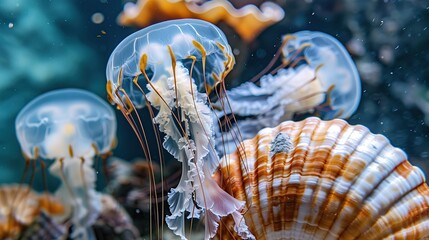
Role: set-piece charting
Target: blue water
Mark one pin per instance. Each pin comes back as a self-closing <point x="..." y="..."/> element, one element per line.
<point x="49" y="45"/>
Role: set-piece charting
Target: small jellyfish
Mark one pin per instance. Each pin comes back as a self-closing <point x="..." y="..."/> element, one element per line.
<point x="72" y="127"/>
<point x="172" y="67"/>
<point x="317" y="76"/>
<point x="336" y="69"/>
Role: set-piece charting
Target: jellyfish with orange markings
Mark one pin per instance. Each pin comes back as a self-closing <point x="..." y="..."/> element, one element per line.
<point x="316" y="76"/>
<point x="171" y="68"/>
<point x="72" y="127"/>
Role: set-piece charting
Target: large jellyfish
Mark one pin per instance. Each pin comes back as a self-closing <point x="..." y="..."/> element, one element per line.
<point x="317" y="75"/>
<point x="172" y="66"/>
<point x="70" y="126"/>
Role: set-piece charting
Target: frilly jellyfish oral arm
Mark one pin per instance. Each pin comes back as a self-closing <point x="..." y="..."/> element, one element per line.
<point x="78" y="191"/>
<point x="172" y="66"/>
<point x="194" y="151"/>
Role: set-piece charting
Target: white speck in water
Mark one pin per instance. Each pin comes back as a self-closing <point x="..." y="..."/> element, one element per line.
<point x="381" y="23"/>
<point x="97" y="18"/>
<point x="10" y="25"/>
<point x="236" y="51"/>
<point x="381" y="123"/>
<point x="137" y="210"/>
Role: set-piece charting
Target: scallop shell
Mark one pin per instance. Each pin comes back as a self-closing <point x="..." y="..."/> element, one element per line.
<point x="20" y="206"/>
<point x="319" y="179"/>
<point x="45" y="227"/>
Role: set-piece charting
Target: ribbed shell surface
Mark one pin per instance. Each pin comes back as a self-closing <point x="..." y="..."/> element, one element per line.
<point x="319" y="179"/>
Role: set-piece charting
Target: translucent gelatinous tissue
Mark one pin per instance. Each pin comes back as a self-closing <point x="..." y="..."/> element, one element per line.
<point x="70" y="117"/>
<point x="70" y="126"/>
<point x="336" y="69"/>
<point x="319" y="78"/>
<point x="172" y="66"/>
<point x="162" y="45"/>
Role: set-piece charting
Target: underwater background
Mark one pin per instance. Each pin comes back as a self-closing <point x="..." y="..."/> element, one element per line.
<point x="49" y="45"/>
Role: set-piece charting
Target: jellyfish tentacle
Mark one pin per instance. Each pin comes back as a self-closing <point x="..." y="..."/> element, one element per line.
<point x="144" y="144"/>
<point x="180" y="71"/>
<point x="72" y="126"/>
<point x="273" y="61"/>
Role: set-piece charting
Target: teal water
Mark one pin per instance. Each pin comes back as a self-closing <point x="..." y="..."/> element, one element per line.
<point x="49" y="45"/>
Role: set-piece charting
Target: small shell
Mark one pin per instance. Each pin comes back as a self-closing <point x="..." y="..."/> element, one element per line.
<point x="326" y="180"/>
<point x="20" y="206"/>
<point x="45" y="227"/>
<point x="113" y="222"/>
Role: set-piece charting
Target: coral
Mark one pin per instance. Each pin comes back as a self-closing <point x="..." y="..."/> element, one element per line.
<point x="247" y="21"/>
<point x="21" y="207"/>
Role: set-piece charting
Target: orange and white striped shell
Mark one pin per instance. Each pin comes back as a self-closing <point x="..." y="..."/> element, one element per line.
<point x="20" y="206"/>
<point x="319" y="179"/>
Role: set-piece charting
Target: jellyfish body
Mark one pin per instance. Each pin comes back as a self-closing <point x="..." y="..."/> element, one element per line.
<point x="336" y="69"/>
<point x="172" y="66"/>
<point x="319" y="77"/>
<point x="70" y="126"/>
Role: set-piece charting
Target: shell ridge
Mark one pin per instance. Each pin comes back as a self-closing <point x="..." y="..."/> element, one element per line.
<point x="255" y="184"/>
<point x="298" y="156"/>
<point x="309" y="174"/>
<point x="308" y="226"/>
<point x="381" y="176"/>
<point x="344" y="212"/>
<point x="285" y="128"/>
<point x="250" y="181"/>
<point x="381" y="200"/>
<point x="343" y="160"/>
<point x="356" y="161"/>
<point x="402" y="215"/>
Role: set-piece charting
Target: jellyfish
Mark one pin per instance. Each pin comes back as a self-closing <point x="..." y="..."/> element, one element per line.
<point x="70" y="126"/>
<point x="317" y="76"/>
<point x="247" y="21"/>
<point x="172" y="67"/>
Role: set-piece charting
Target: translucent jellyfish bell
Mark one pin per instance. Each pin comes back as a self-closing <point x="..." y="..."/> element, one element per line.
<point x="65" y="122"/>
<point x="70" y="126"/>
<point x="336" y="69"/>
<point x="151" y="54"/>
